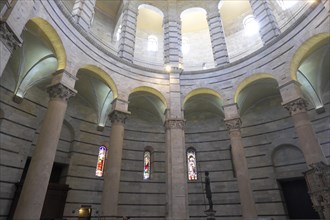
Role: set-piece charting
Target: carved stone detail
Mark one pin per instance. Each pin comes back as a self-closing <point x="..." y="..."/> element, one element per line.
<point x="118" y="117"/>
<point x="296" y="106"/>
<point x="8" y="37"/>
<point x="174" y="124"/>
<point x="318" y="181"/>
<point x="59" y="91"/>
<point x="233" y="124"/>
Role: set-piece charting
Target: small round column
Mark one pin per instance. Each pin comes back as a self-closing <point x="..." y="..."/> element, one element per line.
<point x="35" y="186"/>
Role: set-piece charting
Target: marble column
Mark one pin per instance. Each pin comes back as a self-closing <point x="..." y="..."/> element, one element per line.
<point x="248" y="206"/>
<point x="35" y="186"/>
<point x="233" y="123"/>
<point x="83" y="13"/>
<point x="14" y="16"/>
<point x="263" y="14"/>
<point x="111" y="182"/>
<point x="306" y="135"/>
<point x="128" y="31"/>
<point x="176" y="166"/>
<point x="172" y="41"/>
<point x="219" y="46"/>
<point x="296" y="105"/>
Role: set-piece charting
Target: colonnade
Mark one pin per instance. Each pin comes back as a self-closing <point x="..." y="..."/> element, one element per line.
<point x="172" y="28"/>
<point x="35" y="186"/>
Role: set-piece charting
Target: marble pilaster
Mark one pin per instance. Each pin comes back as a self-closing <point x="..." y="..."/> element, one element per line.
<point x="268" y="25"/>
<point x="128" y="31"/>
<point x="219" y="47"/>
<point x="83" y="13"/>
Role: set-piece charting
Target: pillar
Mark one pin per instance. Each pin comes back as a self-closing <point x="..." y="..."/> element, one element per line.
<point x="177" y="193"/>
<point x="297" y="106"/>
<point x="14" y="16"/>
<point x="83" y="13"/>
<point x="219" y="47"/>
<point x="172" y="41"/>
<point x="111" y="182"/>
<point x="35" y="186"/>
<point x="233" y="124"/>
<point x="263" y="14"/>
<point x="128" y="30"/>
<point x="306" y="135"/>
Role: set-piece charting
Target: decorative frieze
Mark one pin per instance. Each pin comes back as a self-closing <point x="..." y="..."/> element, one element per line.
<point x="174" y="124"/>
<point x="233" y="124"/>
<point x="59" y="91"/>
<point x="296" y="106"/>
<point x="118" y="116"/>
<point x="8" y="37"/>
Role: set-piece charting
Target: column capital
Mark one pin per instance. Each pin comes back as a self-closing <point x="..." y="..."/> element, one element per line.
<point x="60" y="91"/>
<point x="118" y="116"/>
<point x="9" y="38"/>
<point x="296" y="106"/>
<point x="174" y="123"/>
<point x="233" y="124"/>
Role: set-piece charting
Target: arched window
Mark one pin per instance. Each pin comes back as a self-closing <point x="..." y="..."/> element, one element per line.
<point x="251" y="26"/>
<point x="286" y="4"/>
<point x="152" y="43"/>
<point x="192" y="168"/>
<point x="147" y="164"/>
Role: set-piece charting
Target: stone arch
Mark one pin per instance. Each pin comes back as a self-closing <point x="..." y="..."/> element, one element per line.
<point x="152" y="91"/>
<point x="288" y="161"/>
<point x="243" y="84"/>
<point x="103" y="75"/>
<point x="51" y="36"/>
<point x="198" y="91"/>
<point x="305" y="49"/>
<point x="151" y="7"/>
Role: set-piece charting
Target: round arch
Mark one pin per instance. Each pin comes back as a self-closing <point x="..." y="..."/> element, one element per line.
<point x="306" y="49"/>
<point x="250" y="80"/>
<point x="200" y="91"/>
<point x="50" y="35"/>
<point x="152" y="91"/>
<point x="101" y="73"/>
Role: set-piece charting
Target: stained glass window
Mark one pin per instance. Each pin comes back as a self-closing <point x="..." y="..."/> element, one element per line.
<point x="192" y="169"/>
<point x="146" y="161"/>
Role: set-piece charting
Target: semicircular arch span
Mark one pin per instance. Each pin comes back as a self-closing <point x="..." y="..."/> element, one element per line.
<point x="50" y="35"/>
<point x="305" y="50"/>
<point x="104" y="76"/>
<point x="247" y="81"/>
<point x="201" y="91"/>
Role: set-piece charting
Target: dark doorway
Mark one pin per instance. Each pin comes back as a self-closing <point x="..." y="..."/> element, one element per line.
<point x="297" y="200"/>
<point x="56" y="193"/>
